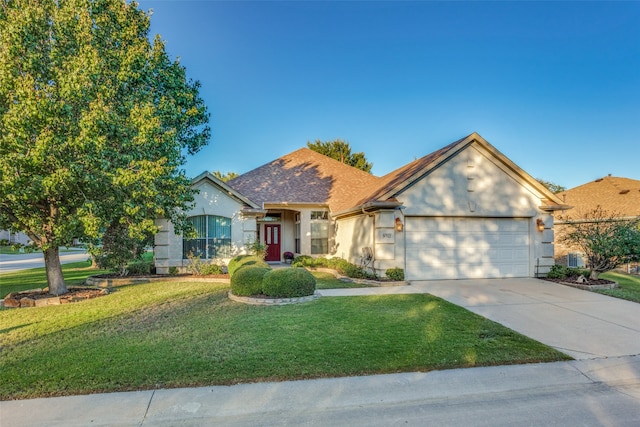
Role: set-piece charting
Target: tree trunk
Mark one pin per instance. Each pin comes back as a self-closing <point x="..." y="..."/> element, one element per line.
<point x="55" y="280"/>
<point x="593" y="275"/>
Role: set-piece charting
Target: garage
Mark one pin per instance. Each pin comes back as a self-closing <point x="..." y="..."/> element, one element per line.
<point x="466" y="248"/>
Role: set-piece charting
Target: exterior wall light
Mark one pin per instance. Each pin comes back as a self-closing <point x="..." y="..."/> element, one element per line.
<point x="399" y="224"/>
<point x="540" y="224"/>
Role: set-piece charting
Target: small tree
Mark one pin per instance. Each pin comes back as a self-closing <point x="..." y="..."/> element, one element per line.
<point x="606" y="240"/>
<point x="341" y="151"/>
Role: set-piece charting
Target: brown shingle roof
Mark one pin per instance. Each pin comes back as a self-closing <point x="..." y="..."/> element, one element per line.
<point x="304" y="176"/>
<point x="616" y="195"/>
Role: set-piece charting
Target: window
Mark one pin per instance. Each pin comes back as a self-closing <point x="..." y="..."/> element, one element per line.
<point x="319" y="232"/>
<point x="213" y="237"/>
<point x="297" y="234"/>
<point x="575" y="260"/>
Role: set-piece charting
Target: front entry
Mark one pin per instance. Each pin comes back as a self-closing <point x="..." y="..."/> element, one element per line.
<point x="272" y="240"/>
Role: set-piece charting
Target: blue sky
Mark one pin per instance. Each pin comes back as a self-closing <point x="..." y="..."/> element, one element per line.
<point x="555" y="86"/>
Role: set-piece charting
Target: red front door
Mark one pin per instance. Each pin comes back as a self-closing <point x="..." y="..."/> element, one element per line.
<point x="272" y="240"/>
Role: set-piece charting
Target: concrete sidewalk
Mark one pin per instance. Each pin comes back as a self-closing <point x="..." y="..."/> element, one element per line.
<point x="437" y="397"/>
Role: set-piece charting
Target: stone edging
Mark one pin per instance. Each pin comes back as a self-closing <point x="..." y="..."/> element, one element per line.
<point x="360" y="281"/>
<point x="273" y="301"/>
<point x="590" y="287"/>
<point x="117" y="281"/>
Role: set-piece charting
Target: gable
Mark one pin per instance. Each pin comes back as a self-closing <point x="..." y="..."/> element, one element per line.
<point x="473" y="182"/>
<point x="213" y="200"/>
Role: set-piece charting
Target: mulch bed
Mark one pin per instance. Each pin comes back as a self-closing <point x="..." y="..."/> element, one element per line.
<point x="588" y="284"/>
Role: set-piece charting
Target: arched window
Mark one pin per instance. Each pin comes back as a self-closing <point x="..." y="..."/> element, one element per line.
<point x="213" y="237"/>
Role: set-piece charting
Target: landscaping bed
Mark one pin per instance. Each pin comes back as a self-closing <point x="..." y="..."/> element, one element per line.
<point x="42" y="297"/>
<point x="588" y="284"/>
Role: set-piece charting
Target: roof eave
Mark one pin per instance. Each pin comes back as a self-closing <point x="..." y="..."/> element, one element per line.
<point x="367" y="208"/>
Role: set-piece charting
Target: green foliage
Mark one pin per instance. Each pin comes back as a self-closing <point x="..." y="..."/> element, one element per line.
<point x="224" y="177"/>
<point x="95" y="123"/>
<point x="139" y="268"/>
<point x="244" y="261"/>
<point x="606" y="240"/>
<point x="302" y="261"/>
<point x="4" y="242"/>
<point x="288" y="283"/>
<point x="558" y="271"/>
<point x="341" y="151"/>
<point x="341" y="265"/>
<point x="256" y="248"/>
<point x="552" y="186"/>
<point x="118" y="249"/>
<point x="173" y="271"/>
<point x="199" y="267"/>
<point x="396" y="274"/>
<point x="247" y="280"/>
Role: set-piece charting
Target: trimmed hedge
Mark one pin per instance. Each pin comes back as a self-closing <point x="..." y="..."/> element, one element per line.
<point x="244" y="261"/>
<point x="288" y="283"/>
<point x="247" y="281"/>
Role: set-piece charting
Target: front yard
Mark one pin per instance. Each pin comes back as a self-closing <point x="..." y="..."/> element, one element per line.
<point x="629" y="286"/>
<point x="177" y="334"/>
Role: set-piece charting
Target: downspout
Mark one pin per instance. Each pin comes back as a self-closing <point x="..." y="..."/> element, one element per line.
<point x="373" y="239"/>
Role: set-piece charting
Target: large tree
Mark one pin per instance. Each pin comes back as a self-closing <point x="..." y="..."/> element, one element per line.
<point x="95" y="123"/>
<point x="552" y="186"/>
<point x="341" y="151"/>
<point x="606" y="239"/>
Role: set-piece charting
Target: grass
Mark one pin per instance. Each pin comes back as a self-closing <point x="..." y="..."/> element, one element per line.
<point x="329" y="281"/>
<point x="629" y="286"/>
<point x="74" y="274"/>
<point x="180" y="334"/>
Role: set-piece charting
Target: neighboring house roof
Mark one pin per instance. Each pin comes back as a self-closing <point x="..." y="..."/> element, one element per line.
<point x="620" y="196"/>
<point x="304" y="177"/>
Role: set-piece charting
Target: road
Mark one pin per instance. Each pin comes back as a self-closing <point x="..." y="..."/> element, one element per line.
<point x="17" y="262"/>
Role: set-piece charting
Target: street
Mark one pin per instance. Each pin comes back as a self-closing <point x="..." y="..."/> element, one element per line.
<point x="11" y="263"/>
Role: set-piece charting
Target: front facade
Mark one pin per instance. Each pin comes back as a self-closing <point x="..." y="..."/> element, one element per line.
<point x="465" y="211"/>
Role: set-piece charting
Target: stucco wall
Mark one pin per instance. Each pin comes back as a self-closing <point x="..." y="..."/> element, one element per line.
<point x="209" y="201"/>
<point x="475" y="184"/>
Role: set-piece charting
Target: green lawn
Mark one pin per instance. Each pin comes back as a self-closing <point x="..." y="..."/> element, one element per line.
<point x="329" y="281"/>
<point x="177" y="334"/>
<point x="74" y="273"/>
<point x="629" y="286"/>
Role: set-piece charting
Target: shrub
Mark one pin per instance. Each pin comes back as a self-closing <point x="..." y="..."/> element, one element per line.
<point x="139" y="267"/>
<point x="557" y="272"/>
<point x="210" y="268"/>
<point x="288" y="283"/>
<point x="247" y="281"/>
<point x="173" y="271"/>
<point x="4" y="242"/>
<point x="302" y="261"/>
<point x="396" y="274"/>
<point x="244" y="261"/>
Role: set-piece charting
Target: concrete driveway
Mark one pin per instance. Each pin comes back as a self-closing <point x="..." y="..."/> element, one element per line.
<point x="582" y="324"/>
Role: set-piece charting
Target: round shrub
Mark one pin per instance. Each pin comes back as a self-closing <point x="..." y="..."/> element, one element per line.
<point x="396" y="274"/>
<point x="288" y="283"/>
<point x="244" y="261"/>
<point x="247" y="281"/>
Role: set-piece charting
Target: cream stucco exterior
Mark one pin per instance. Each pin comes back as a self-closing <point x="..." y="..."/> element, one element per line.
<point x="211" y="199"/>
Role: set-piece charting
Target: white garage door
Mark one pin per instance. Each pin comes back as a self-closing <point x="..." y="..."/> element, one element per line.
<point x="466" y="248"/>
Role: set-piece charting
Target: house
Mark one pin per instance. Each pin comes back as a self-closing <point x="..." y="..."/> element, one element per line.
<point x="617" y="196"/>
<point x="14" y="237"/>
<point x="464" y="211"/>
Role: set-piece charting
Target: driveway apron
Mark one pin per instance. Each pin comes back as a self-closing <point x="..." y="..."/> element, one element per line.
<point x="582" y="324"/>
